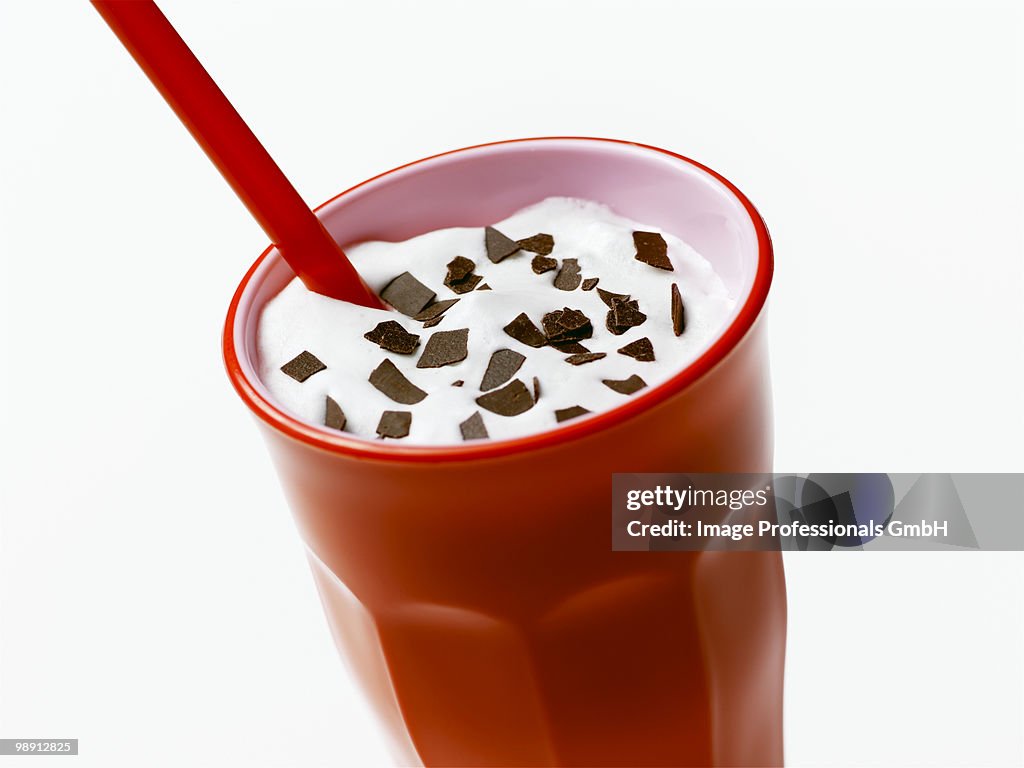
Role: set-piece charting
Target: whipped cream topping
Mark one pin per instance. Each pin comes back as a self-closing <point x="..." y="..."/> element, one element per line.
<point x="603" y="245"/>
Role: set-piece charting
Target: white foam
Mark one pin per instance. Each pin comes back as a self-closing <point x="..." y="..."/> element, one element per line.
<point x="297" y="320"/>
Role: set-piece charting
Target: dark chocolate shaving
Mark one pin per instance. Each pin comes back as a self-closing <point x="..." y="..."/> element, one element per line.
<point x="542" y="264"/>
<point x="624" y="314"/>
<point x="586" y="357"/>
<point x="392" y="382"/>
<point x="498" y="245"/>
<point x="536" y="389"/>
<point x="625" y="386"/>
<point x="641" y="350"/>
<point x="522" y="329"/>
<point x="511" y="400"/>
<point x="568" y="277"/>
<point x="303" y="365"/>
<point x="590" y="283"/>
<point x="444" y="348"/>
<point x="484" y="287"/>
<point x="572" y="412"/>
<point x="569" y="347"/>
<point x="394" y="424"/>
<point x="466" y="285"/>
<point x="458" y="383"/>
<point x="541" y="243"/>
<point x="460" y="277"/>
<point x="407" y="294"/>
<point x="652" y="249"/>
<point x="458" y="269"/>
<point x="436" y="309"/>
<point x="390" y="335"/>
<point x="573" y="319"/>
<point x="566" y="325"/>
<point x="473" y="428"/>
<point x="678" y="312"/>
<point x="608" y="297"/>
<point x="334" y="417"/>
<point x="502" y="366"/>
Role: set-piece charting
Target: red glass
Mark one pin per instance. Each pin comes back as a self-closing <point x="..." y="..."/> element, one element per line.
<point x="472" y="589"/>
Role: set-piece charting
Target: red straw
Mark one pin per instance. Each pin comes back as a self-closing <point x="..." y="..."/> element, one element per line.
<point x="230" y="144"/>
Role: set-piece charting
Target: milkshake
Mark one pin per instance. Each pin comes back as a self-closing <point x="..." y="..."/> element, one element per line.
<point x="449" y="460"/>
<point x="562" y="310"/>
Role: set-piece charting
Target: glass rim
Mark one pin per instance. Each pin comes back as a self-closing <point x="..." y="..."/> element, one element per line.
<point x="394" y="451"/>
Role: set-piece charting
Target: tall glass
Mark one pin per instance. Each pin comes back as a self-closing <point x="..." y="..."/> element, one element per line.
<point x="472" y="588"/>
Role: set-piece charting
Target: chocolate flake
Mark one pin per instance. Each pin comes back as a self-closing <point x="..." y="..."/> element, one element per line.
<point x="334" y="417"/>
<point x="433" y="321"/>
<point x="390" y="335"/>
<point x="624" y="314"/>
<point x="498" y="245"/>
<point x="484" y="287"/>
<point x="566" y="325"/>
<point x="640" y="350"/>
<point x="511" y="400"/>
<point x="571" y="412"/>
<point x="678" y="311"/>
<point x="568" y="277"/>
<point x="304" y="365"/>
<point x="444" y="348"/>
<point x="436" y="309"/>
<point x="522" y="329"/>
<point x="394" y="424"/>
<point x="473" y="428"/>
<point x="460" y="277"/>
<point x="542" y="264"/>
<point x="608" y="297"/>
<point x="458" y="383"/>
<point x="652" y="249"/>
<point x="466" y="285"/>
<point x="536" y="389"/>
<point x="392" y="382"/>
<point x="626" y="386"/>
<point x="569" y="347"/>
<point x="590" y="283"/>
<point x="587" y="357"/>
<point x="541" y="243"/>
<point x="503" y="366"/>
<point x="458" y="269"/>
<point x="407" y="294"/>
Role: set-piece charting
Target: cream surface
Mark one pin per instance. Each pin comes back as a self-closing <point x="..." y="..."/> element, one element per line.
<point x="298" y="320"/>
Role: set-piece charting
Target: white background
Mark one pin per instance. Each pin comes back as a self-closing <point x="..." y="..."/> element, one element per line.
<point x="155" y="600"/>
